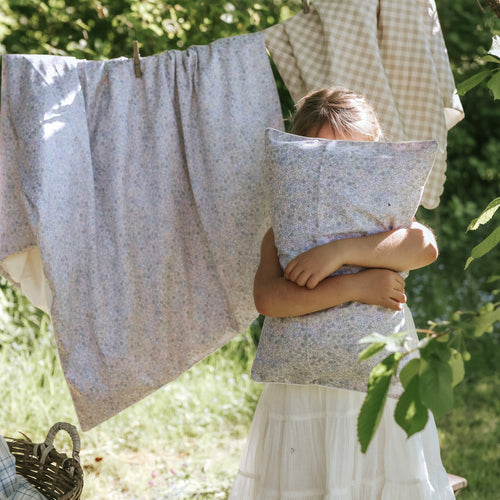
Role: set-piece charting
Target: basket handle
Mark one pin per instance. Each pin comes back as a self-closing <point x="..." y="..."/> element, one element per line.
<point x="71" y="430"/>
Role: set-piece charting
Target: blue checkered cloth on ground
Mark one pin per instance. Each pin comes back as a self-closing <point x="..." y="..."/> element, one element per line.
<point x="14" y="486"/>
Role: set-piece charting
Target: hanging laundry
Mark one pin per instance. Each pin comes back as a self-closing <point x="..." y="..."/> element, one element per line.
<point x="391" y="51"/>
<point x="142" y="198"/>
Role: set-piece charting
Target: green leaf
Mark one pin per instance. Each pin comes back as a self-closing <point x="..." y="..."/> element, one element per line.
<point x="409" y="371"/>
<point x="486" y="215"/>
<point x="495" y="46"/>
<point x="443" y="338"/>
<point x="396" y="341"/>
<point x="473" y="81"/>
<point x="457" y="367"/>
<point x="489" y="59"/>
<point x="373" y="405"/>
<point x="156" y="29"/>
<point x="494" y="85"/>
<point x="410" y="413"/>
<point x="435" y="386"/>
<point x="485" y="246"/>
<point x="370" y="351"/>
<point x="483" y="322"/>
<point x="436" y="350"/>
<point x="373" y="337"/>
<point x="393" y="342"/>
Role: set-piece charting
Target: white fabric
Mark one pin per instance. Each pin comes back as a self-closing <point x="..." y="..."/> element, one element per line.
<point x="26" y="269"/>
<point x="391" y="51"/>
<point x="303" y="446"/>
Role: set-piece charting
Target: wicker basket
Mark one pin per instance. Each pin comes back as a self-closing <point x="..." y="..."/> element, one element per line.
<point x="54" y="474"/>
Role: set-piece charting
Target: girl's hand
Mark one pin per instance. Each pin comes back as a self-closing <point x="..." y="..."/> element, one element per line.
<point x="380" y="287"/>
<point x="313" y="266"/>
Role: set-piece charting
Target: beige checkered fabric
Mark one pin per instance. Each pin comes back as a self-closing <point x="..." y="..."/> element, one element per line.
<point x="392" y="51"/>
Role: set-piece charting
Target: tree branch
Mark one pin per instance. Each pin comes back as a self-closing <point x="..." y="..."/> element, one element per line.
<point x="495" y="6"/>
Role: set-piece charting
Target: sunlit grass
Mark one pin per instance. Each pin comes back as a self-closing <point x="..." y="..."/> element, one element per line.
<point x="470" y="434"/>
<point x="184" y="441"/>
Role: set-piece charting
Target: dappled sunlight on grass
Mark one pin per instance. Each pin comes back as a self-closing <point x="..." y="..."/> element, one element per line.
<point x="470" y="435"/>
<point x="183" y="441"/>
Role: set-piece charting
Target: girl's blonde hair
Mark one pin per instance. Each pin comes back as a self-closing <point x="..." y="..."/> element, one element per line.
<point x="345" y="111"/>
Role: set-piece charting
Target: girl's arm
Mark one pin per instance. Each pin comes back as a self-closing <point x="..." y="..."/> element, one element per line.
<point x="399" y="250"/>
<point x="274" y="295"/>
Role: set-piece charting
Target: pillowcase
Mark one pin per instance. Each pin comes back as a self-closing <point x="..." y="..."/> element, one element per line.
<point x="320" y="191"/>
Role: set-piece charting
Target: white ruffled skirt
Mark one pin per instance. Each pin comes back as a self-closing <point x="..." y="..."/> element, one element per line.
<point x="303" y="445"/>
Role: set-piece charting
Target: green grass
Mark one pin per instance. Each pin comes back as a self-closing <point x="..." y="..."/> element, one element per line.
<point x="470" y="434"/>
<point x="185" y="440"/>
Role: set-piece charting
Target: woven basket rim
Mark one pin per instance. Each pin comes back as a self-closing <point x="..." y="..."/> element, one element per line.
<point x="54" y="474"/>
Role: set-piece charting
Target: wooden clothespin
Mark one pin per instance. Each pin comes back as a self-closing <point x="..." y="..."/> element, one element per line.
<point x="137" y="60"/>
<point x="305" y="7"/>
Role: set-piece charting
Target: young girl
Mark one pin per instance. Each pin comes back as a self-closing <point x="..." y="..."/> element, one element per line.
<point x="303" y="442"/>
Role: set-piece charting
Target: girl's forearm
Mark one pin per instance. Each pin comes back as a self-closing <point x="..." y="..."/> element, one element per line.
<point x="399" y="250"/>
<point x="278" y="297"/>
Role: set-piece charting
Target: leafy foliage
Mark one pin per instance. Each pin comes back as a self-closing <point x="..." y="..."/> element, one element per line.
<point x="472" y="174"/>
<point x="435" y="378"/>
<point x="21" y="324"/>
<point x="492" y="74"/>
<point x="492" y="239"/>
<point x="100" y="29"/>
<point x="428" y="381"/>
<point x="486" y="215"/>
<point x="410" y="413"/>
<point x="373" y="406"/>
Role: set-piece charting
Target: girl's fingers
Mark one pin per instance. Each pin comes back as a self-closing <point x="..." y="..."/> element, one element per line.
<point x="288" y="269"/>
<point x="312" y="282"/>
<point x="395" y="305"/>
<point x="295" y="275"/>
<point x="302" y="278"/>
<point x="399" y="296"/>
<point x="399" y="284"/>
<point x="293" y="272"/>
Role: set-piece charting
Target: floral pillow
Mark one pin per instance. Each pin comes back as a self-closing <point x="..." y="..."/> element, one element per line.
<point x="320" y="191"/>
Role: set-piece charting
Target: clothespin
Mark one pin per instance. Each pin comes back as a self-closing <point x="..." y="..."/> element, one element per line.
<point x="305" y="7"/>
<point x="137" y="60"/>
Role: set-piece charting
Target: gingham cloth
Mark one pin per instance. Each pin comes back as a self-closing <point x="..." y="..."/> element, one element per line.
<point x="14" y="486"/>
<point x="391" y="51"/>
<point x="7" y="470"/>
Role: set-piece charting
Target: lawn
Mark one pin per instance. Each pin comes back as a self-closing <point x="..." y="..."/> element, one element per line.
<point x="470" y="435"/>
<point x="185" y="440"/>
